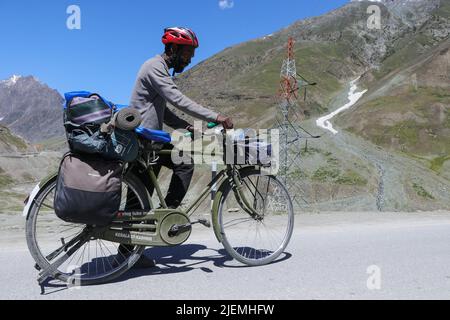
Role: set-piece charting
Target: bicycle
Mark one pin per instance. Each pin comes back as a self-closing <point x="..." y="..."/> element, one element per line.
<point x="252" y="216"/>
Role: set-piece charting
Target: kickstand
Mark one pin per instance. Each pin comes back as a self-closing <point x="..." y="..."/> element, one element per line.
<point x="42" y="288"/>
<point x="42" y="279"/>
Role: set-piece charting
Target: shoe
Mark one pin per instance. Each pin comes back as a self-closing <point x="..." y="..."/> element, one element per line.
<point x="144" y="262"/>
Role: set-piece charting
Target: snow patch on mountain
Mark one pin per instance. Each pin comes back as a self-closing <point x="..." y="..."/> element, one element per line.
<point x="353" y="97"/>
<point x="11" y="81"/>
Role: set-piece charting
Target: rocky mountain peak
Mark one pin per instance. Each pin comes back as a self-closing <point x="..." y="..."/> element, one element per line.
<point x="30" y="109"/>
<point x="11" y="81"/>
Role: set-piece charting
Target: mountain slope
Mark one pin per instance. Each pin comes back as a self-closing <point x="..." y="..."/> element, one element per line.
<point x="331" y="49"/>
<point x="9" y="144"/>
<point x="393" y="146"/>
<point x="410" y="109"/>
<point x="343" y="172"/>
<point x="407" y="108"/>
<point x="21" y="167"/>
<point x="30" y="109"/>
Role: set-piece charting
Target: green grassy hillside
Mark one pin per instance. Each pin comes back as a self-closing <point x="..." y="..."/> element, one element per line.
<point x="10" y="142"/>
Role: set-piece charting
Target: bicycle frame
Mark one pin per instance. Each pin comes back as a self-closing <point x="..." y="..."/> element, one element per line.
<point x="142" y="226"/>
<point x="149" y="233"/>
<point x="218" y="180"/>
<point x="148" y="226"/>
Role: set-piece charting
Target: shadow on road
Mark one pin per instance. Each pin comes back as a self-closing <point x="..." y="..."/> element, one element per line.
<point x="52" y="286"/>
<point x="179" y="259"/>
<point x="171" y="260"/>
<point x="176" y="260"/>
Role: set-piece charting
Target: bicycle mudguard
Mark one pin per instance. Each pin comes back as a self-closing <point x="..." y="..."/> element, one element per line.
<point x="215" y="210"/>
<point x="35" y="192"/>
<point x="216" y="203"/>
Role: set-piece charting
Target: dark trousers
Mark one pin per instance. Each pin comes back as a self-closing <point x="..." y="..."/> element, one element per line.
<point x="179" y="184"/>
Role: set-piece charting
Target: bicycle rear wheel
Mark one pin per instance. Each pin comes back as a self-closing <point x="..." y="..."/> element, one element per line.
<point x="259" y="240"/>
<point x="95" y="261"/>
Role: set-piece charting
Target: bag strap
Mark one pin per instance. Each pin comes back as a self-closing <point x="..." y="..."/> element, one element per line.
<point x="108" y="103"/>
<point x="70" y="126"/>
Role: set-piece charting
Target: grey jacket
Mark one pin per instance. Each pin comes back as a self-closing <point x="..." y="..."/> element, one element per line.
<point x="154" y="87"/>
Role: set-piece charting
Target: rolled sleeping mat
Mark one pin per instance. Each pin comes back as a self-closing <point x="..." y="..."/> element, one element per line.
<point x="128" y="119"/>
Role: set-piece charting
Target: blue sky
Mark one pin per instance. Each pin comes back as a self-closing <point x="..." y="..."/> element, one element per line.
<point x="117" y="36"/>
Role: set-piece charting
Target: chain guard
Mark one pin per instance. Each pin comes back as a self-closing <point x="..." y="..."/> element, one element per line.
<point x="174" y="218"/>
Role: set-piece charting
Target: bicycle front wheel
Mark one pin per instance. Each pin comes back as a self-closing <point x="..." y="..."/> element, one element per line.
<point x="256" y="241"/>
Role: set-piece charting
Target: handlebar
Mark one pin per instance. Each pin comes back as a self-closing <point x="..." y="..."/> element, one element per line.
<point x="211" y="125"/>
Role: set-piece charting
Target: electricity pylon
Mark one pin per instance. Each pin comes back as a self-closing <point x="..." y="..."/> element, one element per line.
<point x="290" y="138"/>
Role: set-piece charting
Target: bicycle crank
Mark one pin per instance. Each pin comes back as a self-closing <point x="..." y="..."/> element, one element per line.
<point x="177" y="229"/>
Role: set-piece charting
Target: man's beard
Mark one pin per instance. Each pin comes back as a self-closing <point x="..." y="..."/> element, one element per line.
<point x="178" y="68"/>
<point x="179" y="65"/>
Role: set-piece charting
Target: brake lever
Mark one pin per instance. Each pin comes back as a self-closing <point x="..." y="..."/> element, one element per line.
<point x="211" y="125"/>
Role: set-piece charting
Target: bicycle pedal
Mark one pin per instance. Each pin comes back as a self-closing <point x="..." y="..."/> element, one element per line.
<point x="205" y="222"/>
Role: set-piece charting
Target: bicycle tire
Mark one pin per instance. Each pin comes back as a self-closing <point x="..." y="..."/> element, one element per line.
<point x="233" y="246"/>
<point x="40" y="258"/>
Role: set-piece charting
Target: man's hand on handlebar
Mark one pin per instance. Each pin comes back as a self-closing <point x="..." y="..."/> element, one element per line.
<point x="222" y="120"/>
<point x="190" y="129"/>
<point x="192" y="132"/>
<point x="225" y="121"/>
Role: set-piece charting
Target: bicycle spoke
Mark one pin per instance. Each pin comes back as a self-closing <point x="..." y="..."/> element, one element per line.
<point x="71" y="259"/>
<point x="72" y="235"/>
<point x="68" y="244"/>
<point x="107" y="257"/>
<point x="71" y="228"/>
<point x="114" y="257"/>
<point x="81" y="258"/>
<point x="47" y="205"/>
<point x="258" y="241"/>
<point x="235" y="222"/>
<point x="51" y="269"/>
<point x="103" y="261"/>
<point x="89" y="259"/>
<point x="64" y="247"/>
<point x="96" y="258"/>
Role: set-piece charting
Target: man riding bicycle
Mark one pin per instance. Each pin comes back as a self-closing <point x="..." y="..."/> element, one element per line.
<point x="155" y="87"/>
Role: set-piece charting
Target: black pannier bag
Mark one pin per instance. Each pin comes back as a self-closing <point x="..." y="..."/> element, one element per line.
<point x="88" y="190"/>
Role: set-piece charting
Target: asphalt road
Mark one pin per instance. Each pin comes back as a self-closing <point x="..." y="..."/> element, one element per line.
<point x="331" y="256"/>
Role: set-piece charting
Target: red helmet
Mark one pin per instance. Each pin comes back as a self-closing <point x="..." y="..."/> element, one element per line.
<point x="179" y="35"/>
